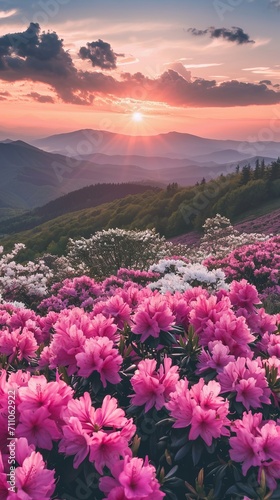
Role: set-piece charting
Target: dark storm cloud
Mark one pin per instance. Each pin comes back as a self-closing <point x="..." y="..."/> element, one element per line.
<point x="266" y="82"/>
<point x="35" y="56"/>
<point x="100" y="54"/>
<point x="275" y="3"/>
<point x="234" y="34"/>
<point x="41" y="57"/>
<point x="40" y="98"/>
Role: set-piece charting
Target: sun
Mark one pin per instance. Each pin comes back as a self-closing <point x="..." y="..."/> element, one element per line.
<point x="137" y="116"/>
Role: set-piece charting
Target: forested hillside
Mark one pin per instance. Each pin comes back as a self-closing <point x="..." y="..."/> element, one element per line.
<point x="171" y="211"/>
<point x="87" y="197"/>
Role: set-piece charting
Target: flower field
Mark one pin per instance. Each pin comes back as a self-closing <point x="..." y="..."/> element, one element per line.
<point x="157" y="381"/>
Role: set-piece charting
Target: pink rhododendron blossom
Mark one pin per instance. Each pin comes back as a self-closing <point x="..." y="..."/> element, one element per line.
<point x="152" y="387"/>
<point x="116" y="308"/>
<point x="34" y="480"/>
<point x="102" y="433"/>
<point x="272" y="473"/>
<point x="245" y="449"/>
<point x="105" y="449"/>
<point x="100" y="356"/>
<point x="257" y="444"/>
<point x="152" y="316"/>
<point x="38" y="428"/>
<point x="247" y="379"/>
<point x="20" y="344"/>
<point x="133" y="478"/>
<point x="205" y="309"/>
<point x="242" y="294"/>
<point x="64" y="347"/>
<point x="216" y="358"/>
<point x="104" y="327"/>
<point x="38" y="393"/>
<point x="181" y="404"/>
<point x="231" y="331"/>
<point x="202" y="408"/>
<point x="75" y="441"/>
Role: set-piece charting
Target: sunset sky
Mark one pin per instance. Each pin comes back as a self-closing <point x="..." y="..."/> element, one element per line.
<point x="206" y="67"/>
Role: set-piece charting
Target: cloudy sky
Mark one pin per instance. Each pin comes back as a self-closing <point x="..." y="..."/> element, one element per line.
<point x="207" y="67"/>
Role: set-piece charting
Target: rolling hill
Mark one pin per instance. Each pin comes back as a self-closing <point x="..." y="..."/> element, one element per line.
<point x="87" y="197"/>
<point x="173" y="211"/>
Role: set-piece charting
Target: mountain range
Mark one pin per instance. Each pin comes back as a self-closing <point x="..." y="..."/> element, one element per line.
<point x="170" y="145"/>
<point x="31" y="175"/>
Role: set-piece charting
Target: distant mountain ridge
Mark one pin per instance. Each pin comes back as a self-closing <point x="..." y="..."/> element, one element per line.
<point x="171" y="144"/>
<point x="31" y="177"/>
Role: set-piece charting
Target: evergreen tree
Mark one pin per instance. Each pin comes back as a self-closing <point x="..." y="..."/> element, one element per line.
<point x="245" y="174"/>
<point x="274" y="170"/>
<point x="262" y="169"/>
<point x="257" y="171"/>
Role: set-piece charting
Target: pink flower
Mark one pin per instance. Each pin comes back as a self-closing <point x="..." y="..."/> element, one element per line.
<point x="106" y="449"/>
<point x="245" y="448"/>
<point x="109" y="415"/>
<point x="33" y="480"/>
<point x="205" y="309"/>
<point x="216" y="359"/>
<point x="23" y="450"/>
<point x="248" y="394"/>
<point x="269" y="441"/>
<point x="91" y="419"/>
<point x="231" y="331"/>
<point x="65" y="345"/>
<point x="133" y="478"/>
<point x="104" y="327"/>
<point x="247" y="379"/>
<point x="257" y="444"/>
<point x="152" y="388"/>
<point x="116" y="308"/>
<point x="104" y="432"/>
<point x="20" y="344"/>
<point x="272" y="472"/>
<point x="75" y="441"/>
<point x="202" y="408"/>
<point x="99" y="355"/>
<point x="243" y="294"/>
<point x="181" y="404"/>
<point x="152" y="316"/>
<point x="83" y="410"/>
<point x="38" y="428"/>
<point x="39" y="393"/>
<point x="205" y="423"/>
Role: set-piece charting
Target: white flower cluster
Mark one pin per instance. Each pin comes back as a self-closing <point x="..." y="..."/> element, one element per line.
<point x="177" y="276"/>
<point x="109" y="250"/>
<point x="220" y="238"/>
<point x="22" y="282"/>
